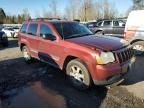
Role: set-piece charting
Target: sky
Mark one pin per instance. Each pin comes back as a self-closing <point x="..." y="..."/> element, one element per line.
<point x="14" y="7"/>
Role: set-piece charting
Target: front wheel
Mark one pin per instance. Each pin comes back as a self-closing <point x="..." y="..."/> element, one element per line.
<point x="78" y="74"/>
<point x="138" y="48"/>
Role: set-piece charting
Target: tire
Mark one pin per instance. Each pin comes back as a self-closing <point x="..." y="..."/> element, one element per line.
<point x="26" y="54"/>
<point x="138" y="48"/>
<point x="78" y="74"/>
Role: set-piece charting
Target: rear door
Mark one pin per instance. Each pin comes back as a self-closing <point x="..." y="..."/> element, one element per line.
<point x="118" y="29"/>
<point x="32" y="38"/>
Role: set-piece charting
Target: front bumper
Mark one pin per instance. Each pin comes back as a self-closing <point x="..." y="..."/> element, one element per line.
<point x="114" y="77"/>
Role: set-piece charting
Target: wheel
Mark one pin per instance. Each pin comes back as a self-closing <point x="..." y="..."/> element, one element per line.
<point x="26" y="54"/>
<point x="78" y="74"/>
<point x="99" y="33"/>
<point x="138" y="48"/>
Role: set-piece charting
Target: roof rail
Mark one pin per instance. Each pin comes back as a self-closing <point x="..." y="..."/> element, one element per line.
<point x="42" y="19"/>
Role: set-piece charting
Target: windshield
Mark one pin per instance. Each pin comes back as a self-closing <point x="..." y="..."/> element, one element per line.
<point x="69" y="30"/>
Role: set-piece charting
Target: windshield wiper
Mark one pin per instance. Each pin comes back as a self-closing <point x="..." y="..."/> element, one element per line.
<point x="79" y="35"/>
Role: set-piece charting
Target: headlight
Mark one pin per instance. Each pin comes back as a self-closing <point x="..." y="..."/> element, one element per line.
<point x="105" y="58"/>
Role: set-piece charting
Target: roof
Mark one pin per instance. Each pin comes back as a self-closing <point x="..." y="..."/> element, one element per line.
<point x="52" y="20"/>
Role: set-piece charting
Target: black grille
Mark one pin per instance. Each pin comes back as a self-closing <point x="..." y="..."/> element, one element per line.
<point x="124" y="55"/>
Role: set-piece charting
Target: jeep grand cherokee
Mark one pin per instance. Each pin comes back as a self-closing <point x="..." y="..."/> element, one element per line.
<point x="71" y="47"/>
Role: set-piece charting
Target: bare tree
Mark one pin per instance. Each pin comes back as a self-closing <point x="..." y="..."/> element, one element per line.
<point x="26" y="14"/>
<point x="2" y="16"/>
<point x="47" y="14"/>
<point x="138" y="4"/>
<point x="105" y="10"/>
<point x="53" y="6"/>
<point x="37" y="14"/>
<point x="86" y="10"/>
<point x="71" y="11"/>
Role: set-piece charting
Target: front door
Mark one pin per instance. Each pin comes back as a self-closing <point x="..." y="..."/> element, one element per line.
<point x="49" y="50"/>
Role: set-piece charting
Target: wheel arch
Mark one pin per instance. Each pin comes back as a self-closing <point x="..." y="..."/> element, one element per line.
<point x="100" y="31"/>
<point x="136" y="40"/>
<point x="22" y="45"/>
<point x="69" y="58"/>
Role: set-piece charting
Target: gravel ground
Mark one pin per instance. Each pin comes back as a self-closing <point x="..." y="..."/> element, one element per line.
<point x="38" y="85"/>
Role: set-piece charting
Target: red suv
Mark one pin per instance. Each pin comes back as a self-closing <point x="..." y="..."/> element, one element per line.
<point x="70" y="46"/>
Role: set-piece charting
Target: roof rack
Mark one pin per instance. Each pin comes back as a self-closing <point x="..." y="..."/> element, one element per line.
<point x="42" y="19"/>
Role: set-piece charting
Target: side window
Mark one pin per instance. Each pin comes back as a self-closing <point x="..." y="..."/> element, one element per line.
<point x="23" y="28"/>
<point x="107" y="23"/>
<point x="32" y="30"/>
<point x="99" y="23"/>
<point x="44" y="30"/>
<point x="115" y="23"/>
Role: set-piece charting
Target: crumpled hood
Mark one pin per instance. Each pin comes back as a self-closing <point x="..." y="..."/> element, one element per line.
<point x="107" y="43"/>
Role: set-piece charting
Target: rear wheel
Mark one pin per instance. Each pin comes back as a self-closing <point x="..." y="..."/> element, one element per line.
<point x="138" y="48"/>
<point x="26" y="54"/>
<point x="78" y="74"/>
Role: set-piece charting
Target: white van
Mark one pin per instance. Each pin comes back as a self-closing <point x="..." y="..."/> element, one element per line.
<point x="134" y="30"/>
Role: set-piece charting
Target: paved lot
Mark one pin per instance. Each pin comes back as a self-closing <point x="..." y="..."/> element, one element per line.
<point x="38" y="85"/>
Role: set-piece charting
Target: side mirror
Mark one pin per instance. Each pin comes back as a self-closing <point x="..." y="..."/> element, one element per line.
<point x="49" y="37"/>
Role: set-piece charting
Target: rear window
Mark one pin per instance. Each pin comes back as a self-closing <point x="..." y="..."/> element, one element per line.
<point x="32" y="30"/>
<point x="115" y="23"/>
<point x="23" y="28"/>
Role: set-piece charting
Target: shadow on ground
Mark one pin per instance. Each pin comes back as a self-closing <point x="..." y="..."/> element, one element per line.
<point x="40" y="86"/>
<point x="136" y="74"/>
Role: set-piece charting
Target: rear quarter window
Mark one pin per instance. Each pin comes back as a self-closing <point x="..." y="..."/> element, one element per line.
<point x="23" y="28"/>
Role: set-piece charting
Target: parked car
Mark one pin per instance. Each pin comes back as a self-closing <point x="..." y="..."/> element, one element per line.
<point x="16" y="30"/>
<point x="3" y="39"/>
<point x="109" y="27"/>
<point x="72" y="47"/>
<point x="9" y="31"/>
<point x="134" y="31"/>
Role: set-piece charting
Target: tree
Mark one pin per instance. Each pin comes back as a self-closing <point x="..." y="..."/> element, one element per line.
<point x="53" y="6"/>
<point x="71" y="11"/>
<point x="26" y="14"/>
<point x="2" y="16"/>
<point x="47" y="14"/>
<point x="105" y="9"/>
<point x="138" y="4"/>
<point x="86" y="10"/>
